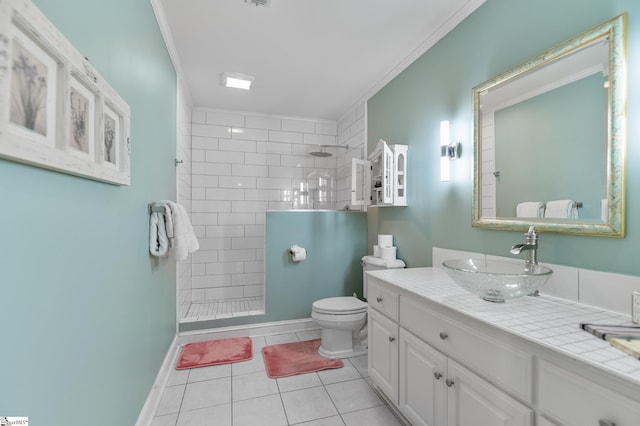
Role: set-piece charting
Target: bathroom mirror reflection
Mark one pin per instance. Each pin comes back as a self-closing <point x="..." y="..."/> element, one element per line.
<point x="549" y="139"/>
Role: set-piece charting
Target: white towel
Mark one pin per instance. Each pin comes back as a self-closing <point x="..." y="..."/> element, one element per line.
<point x="184" y="239"/>
<point x="168" y="220"/>
<point x="604" y="210"/>
<point x="530" y="209"/>
<point x="561" y="209"/>
<point x="158" y="241"/>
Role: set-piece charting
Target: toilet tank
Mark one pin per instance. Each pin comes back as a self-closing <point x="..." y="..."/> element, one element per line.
<point x="371" y="263"/>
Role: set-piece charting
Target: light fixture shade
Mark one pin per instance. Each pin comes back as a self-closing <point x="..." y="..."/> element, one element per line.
<point x="236" y="80"/>
<point x="444" y="151"/>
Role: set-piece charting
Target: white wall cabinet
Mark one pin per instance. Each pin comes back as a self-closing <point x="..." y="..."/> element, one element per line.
<point x="442" y="369"/>
<point x="382" y="179"/>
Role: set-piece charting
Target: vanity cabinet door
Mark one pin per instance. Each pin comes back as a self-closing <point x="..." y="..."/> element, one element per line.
<point x="472" y="401"/>
<point x="573" y="400"/>
<point x="383" y="354"/>
<point x="422" y="382"/>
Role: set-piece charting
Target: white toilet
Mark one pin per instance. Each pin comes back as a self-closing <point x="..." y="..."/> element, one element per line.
<point x="343" y="319"/>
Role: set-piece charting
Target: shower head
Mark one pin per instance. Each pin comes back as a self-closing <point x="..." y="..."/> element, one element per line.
<point x="322" y="153"/>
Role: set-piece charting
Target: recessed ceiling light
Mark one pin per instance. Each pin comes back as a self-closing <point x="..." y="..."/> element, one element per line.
<point x="236" y="80"/>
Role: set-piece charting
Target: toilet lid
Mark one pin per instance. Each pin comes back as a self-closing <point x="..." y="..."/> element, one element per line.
<point x="340" y="305"/>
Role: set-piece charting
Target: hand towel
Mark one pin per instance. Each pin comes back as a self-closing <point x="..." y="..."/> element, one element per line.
<point x="158" y="241"/>
<point x="561" y="209"/>
<point x="530" y="209"/>
<point x="168" y="220"/>
<point x="184" y="239"/>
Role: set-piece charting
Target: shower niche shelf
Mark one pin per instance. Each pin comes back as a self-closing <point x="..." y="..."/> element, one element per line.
<point x="382" y="179"/>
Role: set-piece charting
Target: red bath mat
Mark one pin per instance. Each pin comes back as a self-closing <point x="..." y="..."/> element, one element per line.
<point x="213" y="352"/>
<point x="289" y="359"/>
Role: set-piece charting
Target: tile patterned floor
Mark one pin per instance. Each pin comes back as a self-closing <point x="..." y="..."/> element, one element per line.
<point x="241" y="394"/>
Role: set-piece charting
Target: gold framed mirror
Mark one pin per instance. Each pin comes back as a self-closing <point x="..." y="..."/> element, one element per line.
<point x="550" y="139"/>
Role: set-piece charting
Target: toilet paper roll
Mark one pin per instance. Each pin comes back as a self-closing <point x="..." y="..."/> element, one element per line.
<point x="385" y="240"/>
<point x="388" y="253"/>
<point x="297" y="253"/>
<point x="376" y="251"/>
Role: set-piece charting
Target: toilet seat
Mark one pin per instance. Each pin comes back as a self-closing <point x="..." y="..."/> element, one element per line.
<point x="347" y="305"/>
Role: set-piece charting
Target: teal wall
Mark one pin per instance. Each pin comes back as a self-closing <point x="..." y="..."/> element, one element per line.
<point x="335" y="242"/>
<point x="437" y="86"/>
<point x="568" y="122"/>
<point x="88" y="315"/>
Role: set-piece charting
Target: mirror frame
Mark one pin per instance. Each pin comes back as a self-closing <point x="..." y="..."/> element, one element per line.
<point x="615" y="29"/>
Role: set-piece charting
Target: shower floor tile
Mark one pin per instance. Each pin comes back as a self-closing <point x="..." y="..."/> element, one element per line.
<point x="201" y="311"/>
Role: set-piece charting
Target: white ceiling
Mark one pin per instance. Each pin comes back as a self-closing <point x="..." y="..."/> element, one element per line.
<point x="314" y="59"/>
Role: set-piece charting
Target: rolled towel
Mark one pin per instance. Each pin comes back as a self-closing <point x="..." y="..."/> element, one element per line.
<point x="158" y="241"/>
<point x="561" y="209"/>
<point x="530" y="209"/>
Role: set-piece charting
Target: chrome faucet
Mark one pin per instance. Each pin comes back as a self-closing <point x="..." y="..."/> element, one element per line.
<point x="530" y="246"/>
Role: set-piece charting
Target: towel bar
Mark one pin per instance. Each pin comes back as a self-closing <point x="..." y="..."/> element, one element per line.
<point x="153" y="207"/>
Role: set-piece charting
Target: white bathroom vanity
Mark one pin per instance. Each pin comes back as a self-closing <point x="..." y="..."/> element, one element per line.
<point x="443" y="356"/>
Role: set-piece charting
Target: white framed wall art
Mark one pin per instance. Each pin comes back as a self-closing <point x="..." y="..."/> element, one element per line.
<point x="56" y="111"/>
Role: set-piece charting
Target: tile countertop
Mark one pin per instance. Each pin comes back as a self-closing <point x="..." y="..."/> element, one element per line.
<point x="545" y="320"/>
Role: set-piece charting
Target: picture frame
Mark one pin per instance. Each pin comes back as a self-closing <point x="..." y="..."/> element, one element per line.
<point x="82" y="117"/>
<point x="58" y="112"/>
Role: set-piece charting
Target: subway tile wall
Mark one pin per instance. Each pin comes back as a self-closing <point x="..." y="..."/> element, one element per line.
<point x="351" y="132"/>
<point x="183" y="182"/>
<point x="242" y="165"/>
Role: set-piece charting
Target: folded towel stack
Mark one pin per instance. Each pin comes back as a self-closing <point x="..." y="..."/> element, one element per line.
<point x="158" y="239"/>
<point x="530" y="209"/>
<point x="629" y="346"/>
<point x="624" y="337"/>
<point x="172" y="230"/>
<point x="561" y="209"/>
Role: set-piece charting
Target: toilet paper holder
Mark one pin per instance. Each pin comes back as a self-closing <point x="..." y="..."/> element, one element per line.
<point x="297" y="253"/>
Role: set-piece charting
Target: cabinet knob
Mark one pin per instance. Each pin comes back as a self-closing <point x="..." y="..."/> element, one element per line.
<point x="437" y="375"/>
<point x="392" y="339"/>
<point x="606" y="423"/>
<point x="449" y="382"/>
<point x="379" y="299"/>
<point x="444" y="335"/>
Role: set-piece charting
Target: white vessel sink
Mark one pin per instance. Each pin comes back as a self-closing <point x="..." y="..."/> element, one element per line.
<point x="497" y="280"/>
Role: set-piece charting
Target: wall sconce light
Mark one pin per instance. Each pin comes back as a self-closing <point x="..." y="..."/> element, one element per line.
<point x="448" y="151"/>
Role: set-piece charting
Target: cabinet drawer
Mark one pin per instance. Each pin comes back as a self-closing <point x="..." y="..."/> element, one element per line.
<point x="573" y="401"/>
<point x="382" y="299"/>
<point x="502" y="364"/>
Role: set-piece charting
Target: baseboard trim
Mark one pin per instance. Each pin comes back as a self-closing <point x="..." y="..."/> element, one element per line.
<point x="145" y="418"/>
<point x="392" y="407"/>
<point x="259" y="329"/>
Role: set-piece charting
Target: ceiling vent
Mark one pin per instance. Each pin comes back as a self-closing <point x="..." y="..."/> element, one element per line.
<point x="264" y="3"/>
